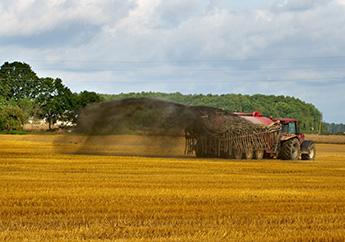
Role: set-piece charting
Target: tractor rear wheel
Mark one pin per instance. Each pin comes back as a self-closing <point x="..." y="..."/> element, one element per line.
<point x="290" y="150"/>
<point x="308" y="150"/>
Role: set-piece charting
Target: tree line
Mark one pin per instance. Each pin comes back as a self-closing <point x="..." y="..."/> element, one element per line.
<point x="333" y="128"/>
<point x="24" y="95"/>
<point x="268" y="105"/>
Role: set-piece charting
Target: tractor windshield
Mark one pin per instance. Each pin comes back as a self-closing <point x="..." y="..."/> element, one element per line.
<point x="289" y="128"/>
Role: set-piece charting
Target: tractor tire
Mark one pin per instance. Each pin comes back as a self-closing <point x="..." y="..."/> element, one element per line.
<point x="248" y="154"/>
<point x="259" y="154"/>
<point x="308" y="150"/>
<point x="290" y="150"/>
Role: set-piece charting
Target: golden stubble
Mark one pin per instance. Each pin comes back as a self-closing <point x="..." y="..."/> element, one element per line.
<point x="47" y="195"/>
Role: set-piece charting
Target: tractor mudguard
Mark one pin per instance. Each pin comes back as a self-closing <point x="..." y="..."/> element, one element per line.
<point x="286" y="137"/>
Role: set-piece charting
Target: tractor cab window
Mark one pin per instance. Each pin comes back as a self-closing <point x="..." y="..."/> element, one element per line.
<point x="289" y="128"/>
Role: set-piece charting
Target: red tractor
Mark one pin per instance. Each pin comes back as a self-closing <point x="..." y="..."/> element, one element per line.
<point x="292" y="145"/>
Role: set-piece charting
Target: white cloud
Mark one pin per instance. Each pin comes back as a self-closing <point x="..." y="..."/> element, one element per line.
<point x="297" y="5"/>
<point x="26" y="17"/>
<point x="288" y="47"/>
<point x="171" y="13"/>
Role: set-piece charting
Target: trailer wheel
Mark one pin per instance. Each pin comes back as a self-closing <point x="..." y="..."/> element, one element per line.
<point x="308" y="150"/>
<point x="290" y="150"/>
<point x="248" y="154"/>
<point x="237" y="154"/>
<point x="198" y="151"/>
<point x="259" y="154"/>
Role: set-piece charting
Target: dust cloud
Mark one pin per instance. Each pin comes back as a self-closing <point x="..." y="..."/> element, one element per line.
<point x="142" y="127"/>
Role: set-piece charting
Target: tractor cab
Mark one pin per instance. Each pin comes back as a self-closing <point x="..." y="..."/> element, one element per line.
<point x="289" y="125"/>
<point x="290" y="128"/>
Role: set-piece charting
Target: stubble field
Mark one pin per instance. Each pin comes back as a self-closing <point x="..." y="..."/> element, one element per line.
<point x="49" y="195"/>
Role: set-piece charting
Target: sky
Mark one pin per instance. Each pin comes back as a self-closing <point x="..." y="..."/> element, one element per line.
<point x="278" y="47"/>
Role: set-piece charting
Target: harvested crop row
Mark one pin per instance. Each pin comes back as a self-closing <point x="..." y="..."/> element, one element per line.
<point x="48" y="196"/>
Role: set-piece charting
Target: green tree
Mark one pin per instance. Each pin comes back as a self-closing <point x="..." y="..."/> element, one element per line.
<point x="84" y="98"/>
<point x="12" y="116"/>
<point x="18" y="81"/>
<point x="29" y="107"/>
<point x="56" y="101"/>
<point x="48" y="98"/>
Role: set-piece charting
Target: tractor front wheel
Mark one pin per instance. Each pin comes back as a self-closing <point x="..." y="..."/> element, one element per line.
<point x="308" y="150"/>
<point x="290" y="150"/>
